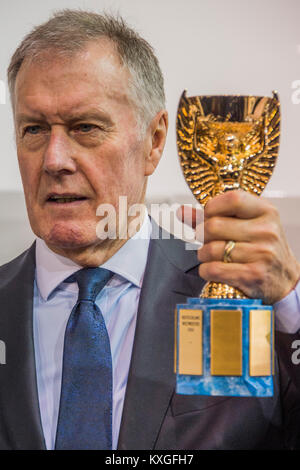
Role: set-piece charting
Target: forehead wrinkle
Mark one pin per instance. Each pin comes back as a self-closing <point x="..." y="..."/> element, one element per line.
<point x="58" y="88"/>
<point x="68" y="108"/>
<point x="56" y="104"/>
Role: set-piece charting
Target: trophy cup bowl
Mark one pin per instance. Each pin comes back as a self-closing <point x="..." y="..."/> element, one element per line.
<point x="224" y="341"/>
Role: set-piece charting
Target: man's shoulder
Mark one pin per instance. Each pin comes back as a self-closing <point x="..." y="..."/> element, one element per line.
<point x="25" y="262"/>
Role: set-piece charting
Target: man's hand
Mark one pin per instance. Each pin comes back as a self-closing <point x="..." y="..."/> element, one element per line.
<point x="262" y="264"/>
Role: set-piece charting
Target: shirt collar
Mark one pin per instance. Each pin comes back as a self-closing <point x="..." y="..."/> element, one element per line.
<point x="129" y="262"/>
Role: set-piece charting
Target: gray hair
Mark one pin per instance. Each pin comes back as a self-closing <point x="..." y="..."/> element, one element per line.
<point x="68" y="31"/>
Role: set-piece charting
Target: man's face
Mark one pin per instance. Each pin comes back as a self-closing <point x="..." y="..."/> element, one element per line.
<point x="78" y="143"/>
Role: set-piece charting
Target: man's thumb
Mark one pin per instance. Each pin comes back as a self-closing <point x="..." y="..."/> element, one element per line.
<point x="190" y="215"/>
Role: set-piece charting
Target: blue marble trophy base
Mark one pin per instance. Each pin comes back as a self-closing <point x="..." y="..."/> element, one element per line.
<point x="207" y="384"/>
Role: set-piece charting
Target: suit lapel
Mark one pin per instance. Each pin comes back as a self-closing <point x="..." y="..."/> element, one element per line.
<point x="20" y="424"/>
<point x="151" y="378"/>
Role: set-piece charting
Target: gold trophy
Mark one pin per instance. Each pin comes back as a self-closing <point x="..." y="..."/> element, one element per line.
<point x="224" y="341"/>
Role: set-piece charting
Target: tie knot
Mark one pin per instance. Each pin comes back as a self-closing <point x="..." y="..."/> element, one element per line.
<point x="90" y="282"/>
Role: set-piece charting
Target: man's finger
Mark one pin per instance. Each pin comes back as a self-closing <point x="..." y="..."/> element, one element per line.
<point x="241" y="253"/>
<point x="231" y="228"/>
<point x="237" y="203"/>
<point x="241" y="276"/>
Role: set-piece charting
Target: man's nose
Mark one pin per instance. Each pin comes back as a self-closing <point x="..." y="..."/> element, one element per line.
<point x="59" y="154"/>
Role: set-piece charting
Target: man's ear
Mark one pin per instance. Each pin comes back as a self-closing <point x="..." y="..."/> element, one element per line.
<point x="157" y="133"/>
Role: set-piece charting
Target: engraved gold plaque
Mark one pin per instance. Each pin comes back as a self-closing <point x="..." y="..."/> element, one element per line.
<point x="260" y="343"/>
<point x="226" y="342"/>
<point x="190" y="334"/>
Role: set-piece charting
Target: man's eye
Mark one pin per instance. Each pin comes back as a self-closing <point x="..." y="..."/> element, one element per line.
<point x="33" y="130"/>
<point x="85" y="128"/>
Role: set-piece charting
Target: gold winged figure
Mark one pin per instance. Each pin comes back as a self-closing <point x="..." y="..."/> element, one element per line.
<point x="227" y="142"/>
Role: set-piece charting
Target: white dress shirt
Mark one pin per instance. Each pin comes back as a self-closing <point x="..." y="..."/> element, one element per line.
<point x="118" y="302"/>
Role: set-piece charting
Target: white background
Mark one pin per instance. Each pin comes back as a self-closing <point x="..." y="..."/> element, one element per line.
<point x="204" y="46"/>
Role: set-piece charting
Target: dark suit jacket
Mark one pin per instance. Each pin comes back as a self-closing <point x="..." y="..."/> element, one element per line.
<point x="154" y="417"/>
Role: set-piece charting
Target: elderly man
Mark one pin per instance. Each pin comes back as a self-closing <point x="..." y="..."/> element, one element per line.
<point x="88" y="320"/>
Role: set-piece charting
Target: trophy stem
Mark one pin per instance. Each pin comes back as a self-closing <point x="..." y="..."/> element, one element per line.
<point x="217" y="290"/>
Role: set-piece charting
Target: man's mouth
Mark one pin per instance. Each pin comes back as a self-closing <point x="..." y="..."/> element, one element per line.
<point x="64" y="198"/>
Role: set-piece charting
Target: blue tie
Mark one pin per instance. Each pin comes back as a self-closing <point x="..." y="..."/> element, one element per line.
<point x="85" y="413"/>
